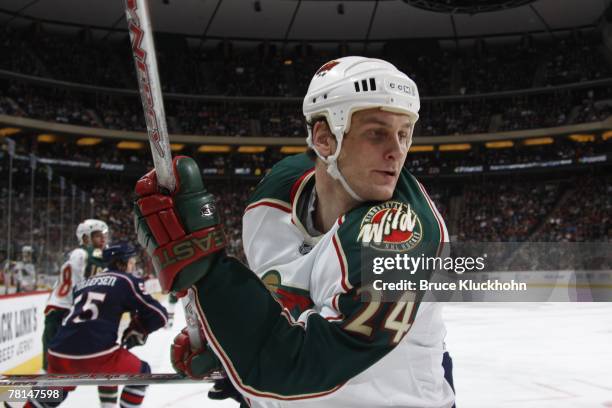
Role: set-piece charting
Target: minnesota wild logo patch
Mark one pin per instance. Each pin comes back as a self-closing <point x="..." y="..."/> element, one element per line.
<point x="391" y="226"/>
<point x="294" y="299"/>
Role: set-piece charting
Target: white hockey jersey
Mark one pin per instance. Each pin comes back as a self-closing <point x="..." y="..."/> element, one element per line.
<point x="318" y="275"/>
<point x="71" y="273"/>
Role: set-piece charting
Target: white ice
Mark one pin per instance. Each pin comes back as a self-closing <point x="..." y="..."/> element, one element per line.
<point x="519" y="355"/>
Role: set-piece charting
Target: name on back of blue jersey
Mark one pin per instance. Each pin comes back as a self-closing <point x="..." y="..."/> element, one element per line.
<point x="96" y="281"/>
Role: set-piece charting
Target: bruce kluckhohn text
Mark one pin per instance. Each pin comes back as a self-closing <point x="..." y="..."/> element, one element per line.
<point x="463" y="284"/>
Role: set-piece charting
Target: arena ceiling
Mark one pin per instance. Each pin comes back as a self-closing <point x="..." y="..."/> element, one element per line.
<point x="313" y="20"/>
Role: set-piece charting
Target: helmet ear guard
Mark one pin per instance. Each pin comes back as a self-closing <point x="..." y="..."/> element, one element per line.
<point x="350" y="84"/>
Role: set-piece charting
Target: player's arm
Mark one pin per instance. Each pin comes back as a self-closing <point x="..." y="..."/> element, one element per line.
<point x="146" y="313"/>
<point x="151" y="314"/>
<point x="265" y="352"/>
<point x="268" y="354"/>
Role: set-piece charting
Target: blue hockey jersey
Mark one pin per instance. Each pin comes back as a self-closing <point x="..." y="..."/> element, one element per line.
<point x="91" y="328"/>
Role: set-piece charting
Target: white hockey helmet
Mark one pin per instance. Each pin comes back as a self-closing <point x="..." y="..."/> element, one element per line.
<point x="88" y="226"/>
<point x="346" y="85"/>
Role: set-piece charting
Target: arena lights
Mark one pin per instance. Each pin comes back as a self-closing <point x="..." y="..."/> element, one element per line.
<point x="538" y="141"/>
<point x="130" y="145"/>
<point x="293" y="149"/>
<point x="9" y="131"/>
<point x="501" y="144"/>
<point x="582" y="138"/>
<point x="607" y="135"/>
<point x="456" y="147"/>
<point x="252" y="149"/>
<point x="421" y="148"/>
<point x="177" y="147"/>
<point x="88" y="141"/>
<point x="47" y="138"/>
<point x="214" y="149"/>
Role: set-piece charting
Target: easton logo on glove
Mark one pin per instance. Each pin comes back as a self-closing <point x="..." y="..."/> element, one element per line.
<point x="201" y="242"/>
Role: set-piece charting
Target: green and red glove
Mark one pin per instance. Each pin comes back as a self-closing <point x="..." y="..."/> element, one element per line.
<point x="192" y="363"/>
<point x="181" y="230"/>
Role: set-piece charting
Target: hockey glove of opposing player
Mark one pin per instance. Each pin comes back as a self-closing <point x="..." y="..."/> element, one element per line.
<point x="134" y="335"/>
<point x="194" y="364"/>
<point x="180" y="230"/>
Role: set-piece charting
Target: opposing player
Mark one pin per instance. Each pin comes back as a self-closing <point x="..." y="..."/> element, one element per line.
<point x="83" y="261"/>
<point x="308" y="337"/>
<point x="86" y="342"/>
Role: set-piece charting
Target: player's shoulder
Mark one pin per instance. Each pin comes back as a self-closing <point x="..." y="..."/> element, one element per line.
<point x="78" y="254"/>
<point x="277" y="184"/>
<point x="93" y="253"/>
<point x="79" y="251"/>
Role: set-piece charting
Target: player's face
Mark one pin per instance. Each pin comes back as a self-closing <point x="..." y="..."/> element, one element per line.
<point x="373" y="152"/>
<point x="98" y="239"/>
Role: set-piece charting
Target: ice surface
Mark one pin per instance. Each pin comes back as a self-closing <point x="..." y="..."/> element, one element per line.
<point x="523" y="355"/>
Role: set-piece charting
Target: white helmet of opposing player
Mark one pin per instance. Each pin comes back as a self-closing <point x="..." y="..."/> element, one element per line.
<point x="80" y="231"/>
<point x="88" y="226"/>
<point x="346" y="85"/>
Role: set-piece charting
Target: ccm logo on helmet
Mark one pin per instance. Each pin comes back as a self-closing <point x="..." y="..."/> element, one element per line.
<point x="407" y="89"/>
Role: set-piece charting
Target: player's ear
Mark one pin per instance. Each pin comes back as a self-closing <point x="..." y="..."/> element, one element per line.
<point x="323" y="139"/>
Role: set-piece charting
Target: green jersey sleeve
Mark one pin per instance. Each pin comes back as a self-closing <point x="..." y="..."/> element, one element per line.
<point x="271" y="355"/>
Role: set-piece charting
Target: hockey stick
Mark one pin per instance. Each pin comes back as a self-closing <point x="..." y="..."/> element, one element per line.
<point x="143" y="50"/>
<point x="60" y="380"/>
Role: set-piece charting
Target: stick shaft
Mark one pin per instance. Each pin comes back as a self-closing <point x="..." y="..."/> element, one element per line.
<point x="60" y="380"/>
<point x="143" y="50"/>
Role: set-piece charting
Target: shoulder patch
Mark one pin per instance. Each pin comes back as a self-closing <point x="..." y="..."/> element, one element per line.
<point x="296" y="300"/>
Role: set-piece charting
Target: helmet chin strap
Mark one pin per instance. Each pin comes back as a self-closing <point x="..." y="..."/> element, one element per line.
<point x="334" y="172"/>
<point x="332" y="165"/>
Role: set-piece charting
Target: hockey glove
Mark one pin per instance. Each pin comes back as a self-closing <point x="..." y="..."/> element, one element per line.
<point x="194" y="364"/>
<point x="180" y="230"/>
<point x="134" y="335"/>
<point x="224" y="389"/>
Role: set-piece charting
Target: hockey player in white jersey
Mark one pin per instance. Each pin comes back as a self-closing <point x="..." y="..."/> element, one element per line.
<point x="309" y="338"/>
<point x="91" y="235"/>
<point x="81" y="262"/>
